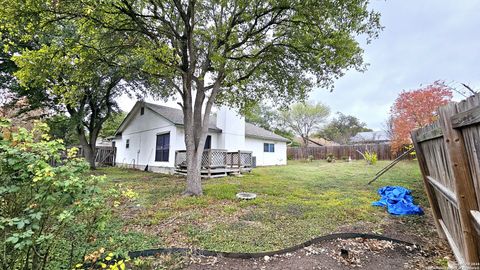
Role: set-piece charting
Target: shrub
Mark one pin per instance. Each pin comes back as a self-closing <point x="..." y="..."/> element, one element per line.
<point x="47" y="213"/>
<point x="310" y="158"/>
<point x="370" y="157"/>
<point x="330" y="158"/>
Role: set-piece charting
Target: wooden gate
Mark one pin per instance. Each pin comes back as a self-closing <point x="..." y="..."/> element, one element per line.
<point x="105" y="156"/>
<point x="449" y="158"/>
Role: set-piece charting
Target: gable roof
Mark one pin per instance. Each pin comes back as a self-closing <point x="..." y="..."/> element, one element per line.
<point x="370" y="136"/>
<point x="175" y="116"/>
<point x="257" y="132"/>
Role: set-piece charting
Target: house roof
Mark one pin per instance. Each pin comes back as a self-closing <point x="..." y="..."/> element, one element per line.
<point x="315" y="141"/>
<point x="176" y="117"/>
<point x="370" y="136"/>
<point x="257" y="132"/>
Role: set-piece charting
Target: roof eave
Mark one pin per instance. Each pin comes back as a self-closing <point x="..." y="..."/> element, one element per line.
<point x="268" y="138"/>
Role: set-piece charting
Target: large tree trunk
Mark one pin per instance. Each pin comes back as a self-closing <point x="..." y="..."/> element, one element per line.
<point x="89" y="150"/>
<point x="194" y="165"/>
<point x="89" y="153"/>
<point x="196" y="127"/>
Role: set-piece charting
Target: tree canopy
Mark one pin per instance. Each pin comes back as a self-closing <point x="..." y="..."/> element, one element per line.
<point x="305" y="118"/>
<point x="268" y="118"/>
<point x="111" y="124"/>
<point x="75" y="68"/>
<point x="226" y="52"/>
<point x="416" y="108"/>
<point x="342" y="128"/>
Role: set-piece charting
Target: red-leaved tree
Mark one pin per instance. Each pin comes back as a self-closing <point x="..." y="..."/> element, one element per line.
<point x="416" y="108"/>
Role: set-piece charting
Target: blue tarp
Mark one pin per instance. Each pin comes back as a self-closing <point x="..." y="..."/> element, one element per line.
<point x="398" y="200"/>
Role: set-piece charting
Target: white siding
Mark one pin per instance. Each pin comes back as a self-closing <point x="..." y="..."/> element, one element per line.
<point x="142" y="132"/>
<point x="181" y="139"/>
<point x="279" y="157"/>
<point x="233" y="129"/>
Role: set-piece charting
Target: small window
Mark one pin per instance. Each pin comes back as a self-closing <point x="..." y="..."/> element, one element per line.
<point x="208" y="142"/>
<point x="127" y="143"/>
<point x="142" y="110"/>
<point x="162" y="147"/>
<point x="269" y="147"/>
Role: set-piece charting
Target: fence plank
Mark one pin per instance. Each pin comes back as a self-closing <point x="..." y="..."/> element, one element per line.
<point x="432" y="198"/>
<point x="449" y="195"/>
<point x="429" y="135"/>
<point x="320" y="152"/>
<point x="466" y="118"/>
<point x="476" y="219"/>
<point x="453" y="245"/>
<point x="465" y="189"/>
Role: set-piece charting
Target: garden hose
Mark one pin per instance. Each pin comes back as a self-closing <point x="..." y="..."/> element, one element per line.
<point x="247" y="255"/>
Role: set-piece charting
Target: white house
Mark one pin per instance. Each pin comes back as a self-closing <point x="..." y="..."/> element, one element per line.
<point x="151" y="134"/>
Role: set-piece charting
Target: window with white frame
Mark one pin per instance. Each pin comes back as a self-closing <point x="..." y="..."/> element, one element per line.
<point x="269" y="147"/>
<point x="162" y="150"/>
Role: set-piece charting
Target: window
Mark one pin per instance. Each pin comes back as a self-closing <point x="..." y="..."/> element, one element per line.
<point x="142" y="110"/>
<point x="162" y="148"/>
<point x="127" y="143"/>
<point x="208" y="142"/>
<point x="269" y="147"/>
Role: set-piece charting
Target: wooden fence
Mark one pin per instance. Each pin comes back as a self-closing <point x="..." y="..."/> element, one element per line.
<point x="104" y="156"/>
<point x="449" y="158"/>
<point x="341" y="151"/>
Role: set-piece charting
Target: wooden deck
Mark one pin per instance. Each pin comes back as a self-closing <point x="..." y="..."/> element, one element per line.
<point x="217" y="162"/>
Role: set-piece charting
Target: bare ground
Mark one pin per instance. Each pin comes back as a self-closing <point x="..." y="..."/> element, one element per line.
<point x="429" y="252"/>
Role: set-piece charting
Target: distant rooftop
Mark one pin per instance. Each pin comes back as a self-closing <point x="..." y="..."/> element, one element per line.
<point x="370" y="136"/>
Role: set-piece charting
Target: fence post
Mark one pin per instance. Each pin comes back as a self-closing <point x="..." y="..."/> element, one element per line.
<point x="464" y="186"/>
<point x="432" y="197"/>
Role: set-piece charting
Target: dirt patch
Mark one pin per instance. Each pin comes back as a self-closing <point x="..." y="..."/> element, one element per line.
<point x="360" y="253"/>
<point x="429" y="251"/>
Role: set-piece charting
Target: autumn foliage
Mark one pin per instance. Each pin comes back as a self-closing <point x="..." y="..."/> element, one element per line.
<point x="416" y="108"/>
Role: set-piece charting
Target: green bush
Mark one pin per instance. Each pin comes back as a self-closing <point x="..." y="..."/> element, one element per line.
<point x="47" y="213"/>
<point x="371" y="157"/>
<point x="310" y="158"/>
<point x="330" y="157"/>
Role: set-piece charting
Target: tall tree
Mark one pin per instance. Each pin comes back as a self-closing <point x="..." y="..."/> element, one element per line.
<point x="262" y="115"/>
<point x="62" y="127"/>
<point x="232" y="52"/>
<point x="305" y="118"/>
<point x="75" y="68"/>
<point x="342" y="128"/>
<point x="416" y="108"/>
<point x="112" y="124"/>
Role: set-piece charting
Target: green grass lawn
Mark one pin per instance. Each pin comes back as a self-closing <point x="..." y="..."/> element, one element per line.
<point x="295" y="203"/>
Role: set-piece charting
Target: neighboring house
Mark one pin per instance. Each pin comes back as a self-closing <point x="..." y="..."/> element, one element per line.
<point x="315" y="141"/>
<point x="151" y="134"/>
<point x="370" y="137"/>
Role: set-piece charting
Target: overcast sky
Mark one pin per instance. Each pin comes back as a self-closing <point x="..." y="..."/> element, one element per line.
<point x="423" y="41"/>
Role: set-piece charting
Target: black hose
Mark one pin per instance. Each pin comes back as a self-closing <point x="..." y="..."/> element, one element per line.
<point x="242" y="255"/>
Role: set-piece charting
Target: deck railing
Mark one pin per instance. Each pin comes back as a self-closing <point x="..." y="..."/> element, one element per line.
<point x="239" y="159"/>
<point x="217" y="158"/>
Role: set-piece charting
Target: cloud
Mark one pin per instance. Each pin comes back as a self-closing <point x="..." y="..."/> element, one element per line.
<point x="423" y="41"/>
